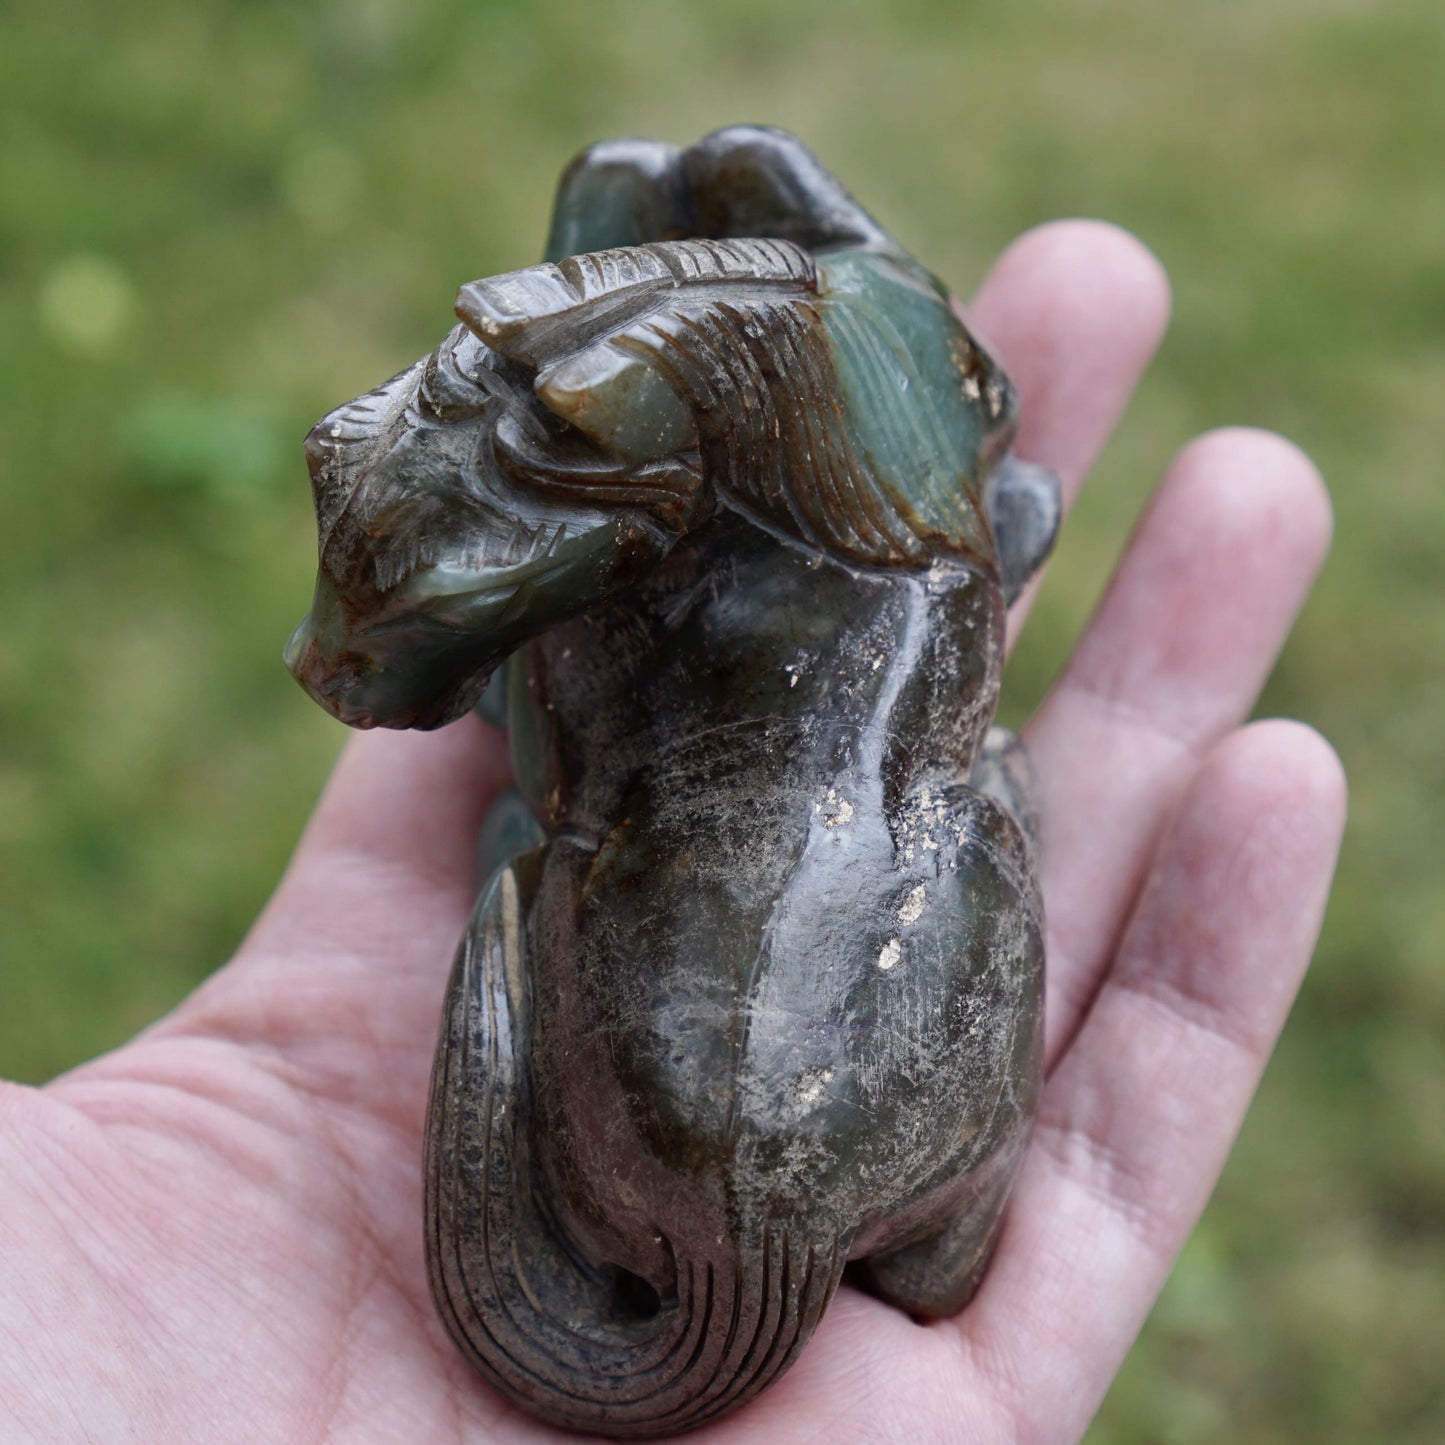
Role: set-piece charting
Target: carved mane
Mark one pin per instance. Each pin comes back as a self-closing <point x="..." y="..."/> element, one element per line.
<point x="743" y="336"/>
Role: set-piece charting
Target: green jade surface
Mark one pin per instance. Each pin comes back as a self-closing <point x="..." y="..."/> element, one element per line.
<point x="753" y="986"/>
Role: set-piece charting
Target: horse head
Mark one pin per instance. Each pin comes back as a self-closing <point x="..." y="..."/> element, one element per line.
<point x="587" y="414"/>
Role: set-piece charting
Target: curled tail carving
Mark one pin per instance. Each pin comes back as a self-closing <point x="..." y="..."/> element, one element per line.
<point x="567" y="1341"/>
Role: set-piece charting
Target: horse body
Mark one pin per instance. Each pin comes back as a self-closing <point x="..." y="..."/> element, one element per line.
<point x="780" y="956"/>
<point x="761" y="993"/>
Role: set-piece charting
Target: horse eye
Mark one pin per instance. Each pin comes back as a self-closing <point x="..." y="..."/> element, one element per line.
<point x="445" y="396"/>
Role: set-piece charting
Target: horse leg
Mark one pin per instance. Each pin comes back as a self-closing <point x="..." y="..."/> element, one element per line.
<point x="616" y="193"/>
<point x="752" y="180"/>
<point x="1002" y="771"/>
<point x="743" y="181"/>
<point x="993" y="913"/>
<point x="935" y="1276"/>
<point x="509" y="830"/>
<point x="1024" y="508"/>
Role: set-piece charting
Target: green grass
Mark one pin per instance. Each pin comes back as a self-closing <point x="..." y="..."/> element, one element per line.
<point x="219" y="219"/>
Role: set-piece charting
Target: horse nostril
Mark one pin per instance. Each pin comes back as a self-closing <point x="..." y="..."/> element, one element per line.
<point x="296" y="645"/>
<point x="319" y="446"/>
<point x="325" y="680"/>
<point x="317" y="674"/>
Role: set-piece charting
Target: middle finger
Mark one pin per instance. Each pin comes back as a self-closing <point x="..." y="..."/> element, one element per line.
<point x="1174" y="658"/>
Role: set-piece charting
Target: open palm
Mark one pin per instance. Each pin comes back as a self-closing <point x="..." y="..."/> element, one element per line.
<point x="214" y="1233"/>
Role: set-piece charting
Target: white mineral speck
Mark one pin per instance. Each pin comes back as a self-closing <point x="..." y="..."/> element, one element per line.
<point x="912" y="909"/>
<point x="892" y="951"/>
<point x="810" y="1086"/>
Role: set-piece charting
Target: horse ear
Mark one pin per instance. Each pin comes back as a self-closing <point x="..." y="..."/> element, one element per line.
<point x="536" y="315"/>
<point x="533" y="316"/>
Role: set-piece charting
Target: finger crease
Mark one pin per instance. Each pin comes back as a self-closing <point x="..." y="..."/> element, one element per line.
<point x="1089" y="1160"/>
<point x="1121" y="709"/>
<point x="1180" y="1004"/>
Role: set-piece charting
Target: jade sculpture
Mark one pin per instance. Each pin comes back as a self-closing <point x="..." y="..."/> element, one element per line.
<point x="723" y="491"/>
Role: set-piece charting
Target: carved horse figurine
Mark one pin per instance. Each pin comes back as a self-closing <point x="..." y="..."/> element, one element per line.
<point x="754" y="986"/>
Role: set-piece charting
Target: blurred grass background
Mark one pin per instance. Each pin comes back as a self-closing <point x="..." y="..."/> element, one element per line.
<point x="218" y="218"/>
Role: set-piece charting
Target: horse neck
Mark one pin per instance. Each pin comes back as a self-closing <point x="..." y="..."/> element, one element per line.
<point x="745" y="646"/>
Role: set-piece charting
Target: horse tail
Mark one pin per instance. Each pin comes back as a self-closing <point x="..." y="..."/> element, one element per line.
<point x="584" y="1348"/>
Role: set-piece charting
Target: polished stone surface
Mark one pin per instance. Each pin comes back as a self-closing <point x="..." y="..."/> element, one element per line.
<point x="754" y="984"/>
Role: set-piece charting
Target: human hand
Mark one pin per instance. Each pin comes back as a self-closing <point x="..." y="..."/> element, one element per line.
<point x="214" y="1233"/>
